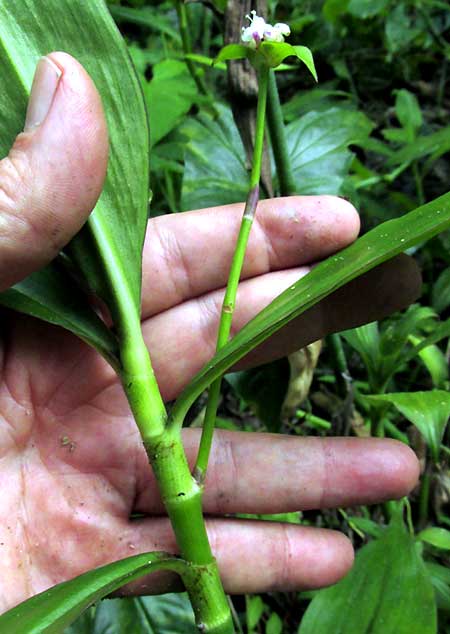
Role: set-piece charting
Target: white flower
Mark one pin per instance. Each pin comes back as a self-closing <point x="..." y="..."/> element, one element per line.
<point x="260" y="30"/>
<point x="253" y="34"/>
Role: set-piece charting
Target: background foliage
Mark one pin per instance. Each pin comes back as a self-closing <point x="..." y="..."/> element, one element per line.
<point x="374" y="130"/>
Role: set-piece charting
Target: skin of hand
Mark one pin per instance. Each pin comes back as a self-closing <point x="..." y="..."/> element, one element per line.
<point x="72" y="467"/>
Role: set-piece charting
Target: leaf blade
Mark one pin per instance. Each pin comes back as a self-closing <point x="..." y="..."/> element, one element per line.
<point x="382" y="243"/>
<point x="117" y="226"/>
<point x="54" y="609"/>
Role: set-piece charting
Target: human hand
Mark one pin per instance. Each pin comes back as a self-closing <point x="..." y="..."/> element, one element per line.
<point x="71" y="461"/>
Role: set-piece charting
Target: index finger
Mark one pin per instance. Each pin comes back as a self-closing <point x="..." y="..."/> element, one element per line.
<point x="189" y="254"/>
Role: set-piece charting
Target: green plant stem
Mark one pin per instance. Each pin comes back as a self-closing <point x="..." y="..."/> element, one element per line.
<point x="181" y="495"/>
<point x="187" y="47"/>
<point x="340" y="367"/>
<point x="278" y="139"/>
<point x="424" y="497"/>
<point x="229" y="300"/>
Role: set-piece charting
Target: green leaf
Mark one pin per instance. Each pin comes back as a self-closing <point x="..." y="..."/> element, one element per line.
<point x="440" y="295"/>
<point x="52" y="610"/>
<point x="318" y="148"/>
<point x="215" y="171"/>
<point x="165" y="614"/>
<point x="169" y="95"/>
<point x="276" y="52"/>
<point x="388" y="591"/>
<point x="367" y="8"/>
<point x="366" y="341"/>
<point x="438" y="537"/>
<point x="215" y="167"/>
<point x="220" y="5"/>
<point x="399" y="29"/>
<point x="408" y="112"/>
<point x="274" y="624"/>
<point x="382" y="243"/>
<point x="385" y="354"/>
<point x="304" y="54"/>
<point x="264" y="389"/>
<point x="435" y="362"/>
<point x="428" y="411"/>
<point x="51" y="295"/>
<point x="333" y="9"/>
<point x="436" y="144"/>
<point x="254" y="610"/>
<point x="232" y="51"/>
<point x="440" y="578"/>
<point x="150" y="17"/>
<point x="441" y="331"/>
<point x="108" y="248"/>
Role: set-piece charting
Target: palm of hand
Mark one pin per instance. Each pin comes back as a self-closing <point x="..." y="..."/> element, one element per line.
<point x="69" y="454"/>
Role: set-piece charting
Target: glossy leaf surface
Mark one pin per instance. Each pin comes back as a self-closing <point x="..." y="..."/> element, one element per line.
<point x="388" y="591"/>
<point x="318" y="148"/>
<point x="382" y="243"/>
<point x="215" y="168"/>
<point x="55" y="609"/>
<point x="161" y="614"/>
<point x="108" y="248"/>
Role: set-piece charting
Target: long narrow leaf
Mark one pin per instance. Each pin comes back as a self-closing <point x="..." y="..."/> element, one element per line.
<point x="108" y="249"/>
<point x="381" y="244"/>
<point x="53" y="610"/>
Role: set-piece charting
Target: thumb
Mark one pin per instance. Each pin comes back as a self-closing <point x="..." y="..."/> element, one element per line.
<point x="54" y="173"/>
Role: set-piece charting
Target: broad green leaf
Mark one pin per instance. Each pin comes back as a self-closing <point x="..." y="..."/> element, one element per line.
<point x="382" y="243"/>
<point x="215" y="171"/>
<point x="388" y="591"/>
<point x="165" y="614"/>
<point x="215" y="167"/>
<point x="264" y="389"/>
<point x="428" y="411"/>
<point x="169" y="95"/>
<point x="438" y="537"/>
<point x="51" y="295"/>
<point x="53" y="610"/>
<point x="108" y="248"/>
<point x="315" y="99"/>
<point x="318" y="148"/>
